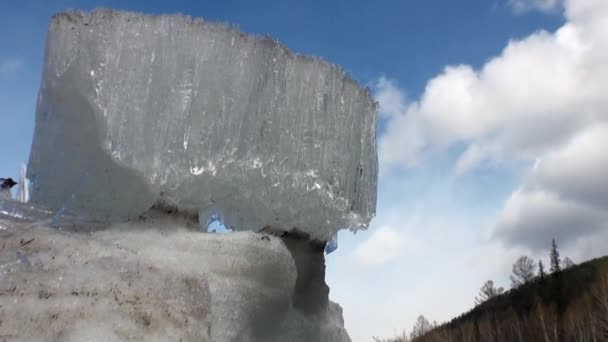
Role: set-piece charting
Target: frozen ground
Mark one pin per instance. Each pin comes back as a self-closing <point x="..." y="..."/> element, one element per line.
<point x="158" y="280"/>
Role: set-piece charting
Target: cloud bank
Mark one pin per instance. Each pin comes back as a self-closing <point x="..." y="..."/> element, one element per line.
<point x="542" y="103"/>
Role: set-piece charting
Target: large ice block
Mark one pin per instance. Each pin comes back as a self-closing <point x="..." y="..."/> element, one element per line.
<point x="135" y="109"/>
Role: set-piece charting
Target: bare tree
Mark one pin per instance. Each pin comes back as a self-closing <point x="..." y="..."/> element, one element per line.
<point x="567" y="263"/>
<point x="421" y="327"/>
<point x="554" y="258"/>
<point x="523" y="271"/>
<point x="488" y="291"/>
<point x="396" y="339"/>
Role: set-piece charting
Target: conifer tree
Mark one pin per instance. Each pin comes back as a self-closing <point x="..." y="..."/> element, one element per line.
<point x="541" y="270"/>
<point x="555" y="265"/>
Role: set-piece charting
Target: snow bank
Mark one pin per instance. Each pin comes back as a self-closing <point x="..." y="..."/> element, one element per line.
<point x="155" y="282"/>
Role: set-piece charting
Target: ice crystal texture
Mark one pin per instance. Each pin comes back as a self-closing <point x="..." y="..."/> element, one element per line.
<point x="135" y="109"/>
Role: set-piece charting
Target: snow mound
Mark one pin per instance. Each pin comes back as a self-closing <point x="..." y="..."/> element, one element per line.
<point x="154" y="282"/>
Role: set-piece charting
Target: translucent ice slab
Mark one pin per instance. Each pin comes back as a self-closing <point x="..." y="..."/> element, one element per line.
<point x="135" y="109"/>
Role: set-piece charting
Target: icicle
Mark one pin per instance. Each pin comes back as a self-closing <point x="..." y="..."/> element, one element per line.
<point x="23" y="194"/>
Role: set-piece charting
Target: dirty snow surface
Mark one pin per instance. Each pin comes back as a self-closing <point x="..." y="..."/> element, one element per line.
<point x="153" y="281"/>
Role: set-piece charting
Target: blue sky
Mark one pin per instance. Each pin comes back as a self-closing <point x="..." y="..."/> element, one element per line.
<point x="409" y="41"/>
<point x="491" y="114"/>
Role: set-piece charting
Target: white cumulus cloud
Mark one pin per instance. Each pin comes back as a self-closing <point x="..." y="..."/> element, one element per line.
<point x="384" y="245"/>
<point x="11" y="65"/>
<point x="541" y="102"/>
<point x="565" y="196"/>
<point x="390" y="96"/>
<point x="537" y="94"/>
<point x="520" y="6"/>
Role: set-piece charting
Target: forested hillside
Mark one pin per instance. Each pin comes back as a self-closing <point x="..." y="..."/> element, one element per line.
<point x="566" y="305"/>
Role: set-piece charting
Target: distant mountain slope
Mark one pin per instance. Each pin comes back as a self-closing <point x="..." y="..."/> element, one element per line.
<point x="571" y="305"/>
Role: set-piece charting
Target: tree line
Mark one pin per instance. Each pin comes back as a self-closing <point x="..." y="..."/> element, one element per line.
<point x="565" y="303"/>
<point x="523" y="272"/>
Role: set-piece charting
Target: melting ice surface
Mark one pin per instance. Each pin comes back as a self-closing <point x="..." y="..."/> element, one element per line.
<point x="16" y="211"/>
<point x="216" y="226"/>
<point x="134" y="110"/>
